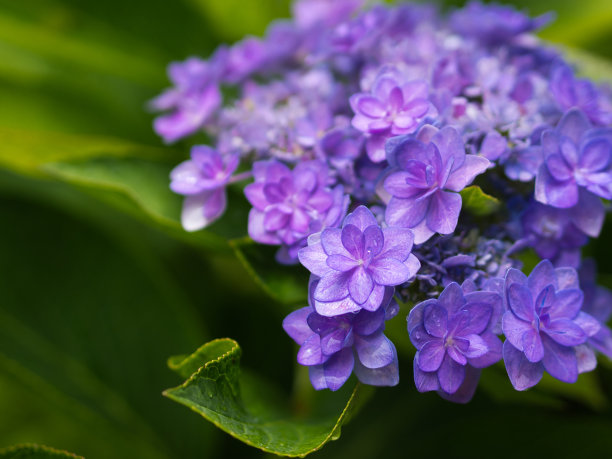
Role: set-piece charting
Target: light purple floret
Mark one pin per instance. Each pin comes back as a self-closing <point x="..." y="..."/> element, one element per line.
<point x="545" y="328"/>
<point x="454" y="338"/>
<point x="334" y="347"/>
<point x="191" y="102"/>
<point x="598" y="303"/>
<point x="328" y="13"/>
<point x="570" y="92"/>
<point x="358" y="263"/>
<point x="558" y="234"/>
<point x="494" y="24"/>
<point x="431" y="169"/>
<point x="289" y="205"/>
<point x="392" y="106"/>
<point x="203" y="179"/>
<point x="576" y="156"/>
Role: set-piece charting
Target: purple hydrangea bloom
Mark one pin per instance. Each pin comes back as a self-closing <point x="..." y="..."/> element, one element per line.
<point x="558" y="234"/>
<point x="431" y="169"/>
<point x="494" y="24"/>
<point x="203" y="179"/>
<point x="570" y="92"/>
<point x="576" y="156"/>
<point x="289" y="205"/>
<point x="597" y="303"/>
<point x="453" y="337"/>
<point x="544" y="325"/>
<point x="191" y="102"/>
<point x="393" y="107"/>
<point x="334" y="347"/>
<point x="358" y="263"/>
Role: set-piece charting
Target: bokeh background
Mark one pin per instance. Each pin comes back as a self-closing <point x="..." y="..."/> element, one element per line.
<point x="99" y="285"/>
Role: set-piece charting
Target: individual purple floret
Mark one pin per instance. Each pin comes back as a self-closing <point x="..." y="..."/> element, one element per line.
<point x="427" y="166"/>
<point x="309" y="13"/>
<point x="544" y="326"/>
<point x="334" y="347"/>
<point x="289" y="205"/>
<point x="454" y="339"/>
<point x="358" y="263"/>
<point x="577" y="156"/>
<point x="244" y="58"/>
<point x="494" y="24"/>
<point x="192" y="100"/>
<point x="597" y="303"/>
<point x="203" y="179"/>
<point x="570" y="92"/>
<point x="558" y="234"/>
<point x="393" y="107"/>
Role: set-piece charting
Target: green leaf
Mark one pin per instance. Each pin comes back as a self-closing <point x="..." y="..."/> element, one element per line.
<point x="85" y="320"/>
<point x="28" y="151"/>
<point x="46" y="42"/>
<point x="125" y="175"/>
<point x="478" y="202"/>
<point x="285" y="284"/>
<point x="35" y="452"/>
<point x="246" y="408"/>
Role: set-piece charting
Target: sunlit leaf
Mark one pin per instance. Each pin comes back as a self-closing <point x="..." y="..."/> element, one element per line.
<point x="478" y="202"/>
<point x="238" y="404"/>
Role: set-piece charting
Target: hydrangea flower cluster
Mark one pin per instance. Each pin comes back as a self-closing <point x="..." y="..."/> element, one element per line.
<point x="404" y="156"/>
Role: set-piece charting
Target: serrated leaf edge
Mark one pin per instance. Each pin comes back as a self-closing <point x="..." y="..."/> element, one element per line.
<point x="333" y="435"/>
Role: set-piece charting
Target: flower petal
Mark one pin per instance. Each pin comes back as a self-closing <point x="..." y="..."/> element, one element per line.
<point x="360" y="286"/>
<point x="514" y="329"/>
<point x="431" y="355"/>
<point x="397" y="243"/>
<point x="565" y="332"/>
<point x="523" y="374"/>
<point x="425" y="381"/>
<point x="341" y="263"/>
<point x="585" y="356"/>
<point x="310" y="352"/>
<point x="532" y="345"/>
<point x="383" y="376"/>
<point x="443" y="212"/>
<point x="361" y="217"/>
<point x="567" y="304"/>
<point x="406" y="213"/>
<point x="296" y="325"/>
<point x="462" y="177"/>
<point x="314" y="259"/>
<point x="435" y="320"/>
<point x="478" y="346"/>
<point x="333" y="287"/>
<point x="317" y="377"/>
<point x="452" y="298"/>
<point x="493" y="355"/>
<point x="520" y="301"/>
<point x="560" y="361"/>
<point x="353" y="240"/>
<point x="389" y="271"/>
<point x="338" y="369"/>
<point x="450" y="375"/>
<point x="374" y="351"/>
<point x="541" y="276"/>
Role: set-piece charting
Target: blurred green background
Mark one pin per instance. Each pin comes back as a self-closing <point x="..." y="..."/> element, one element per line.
<point x="99" y="285"/>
